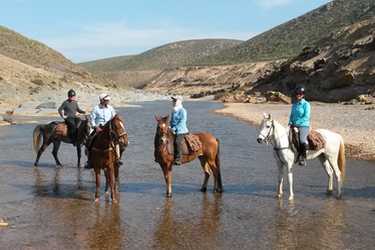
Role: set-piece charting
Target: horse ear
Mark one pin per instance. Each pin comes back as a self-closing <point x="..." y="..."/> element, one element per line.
<point x="269" y="116"/>
<point x="167" y="118"/>
<point x="157" y="118"/>
<point x="265" y="115"/>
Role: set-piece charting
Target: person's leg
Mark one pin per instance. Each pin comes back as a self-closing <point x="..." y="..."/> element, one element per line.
<point x="303" y="133"/>
<point x="70" y="121"/>
<point x="178" y="144"/>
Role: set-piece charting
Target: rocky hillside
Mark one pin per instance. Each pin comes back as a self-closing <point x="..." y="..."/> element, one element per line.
<point x="30" y="70"/>
<point x="340" y="67"/>
<point x="288" y="39"/>
<point x="139" y="69"/>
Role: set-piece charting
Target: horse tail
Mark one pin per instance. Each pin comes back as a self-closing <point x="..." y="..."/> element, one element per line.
<point x="37" y="138"/>
<point x="341" y="159"/>
<point x="217" y="163"/>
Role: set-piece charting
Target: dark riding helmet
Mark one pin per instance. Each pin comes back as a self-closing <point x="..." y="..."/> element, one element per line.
<point x="299" y="90"/>
<point x="71" y="93"/>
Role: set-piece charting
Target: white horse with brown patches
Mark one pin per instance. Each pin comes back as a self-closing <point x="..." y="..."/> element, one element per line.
<point x="332" y="155"/>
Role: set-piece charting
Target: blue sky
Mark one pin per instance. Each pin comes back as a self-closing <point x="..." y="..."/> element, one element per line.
<point x="85" y="30"/>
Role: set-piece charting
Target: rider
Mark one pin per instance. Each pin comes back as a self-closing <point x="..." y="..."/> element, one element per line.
<point x="178" y="126"/>
<point x="100" y="115"/>
<point x="300" y="118"/>
<point x="68" y="111"/>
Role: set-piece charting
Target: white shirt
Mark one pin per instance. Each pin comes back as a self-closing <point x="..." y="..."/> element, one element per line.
<point x="101" y="115"/>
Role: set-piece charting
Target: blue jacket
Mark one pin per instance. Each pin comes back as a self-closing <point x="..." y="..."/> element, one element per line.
<point x="300" y="115"/>
<point x="178" y="121"/>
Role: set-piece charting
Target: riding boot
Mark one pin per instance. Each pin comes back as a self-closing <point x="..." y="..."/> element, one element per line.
<point x="302" y="159"/>
<point x="88" y="164"/>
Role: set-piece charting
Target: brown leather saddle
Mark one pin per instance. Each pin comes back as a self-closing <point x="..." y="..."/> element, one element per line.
<point x="190" y="145"/>
<point x="62" y="128"/>
<point x="315" y="139"/>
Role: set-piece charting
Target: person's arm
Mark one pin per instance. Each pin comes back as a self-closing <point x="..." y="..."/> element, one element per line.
<point x="79" y="110"/>
<point x="307" y="112"/>
<point x="93" y="118"/>
<point x="61" y="109"/>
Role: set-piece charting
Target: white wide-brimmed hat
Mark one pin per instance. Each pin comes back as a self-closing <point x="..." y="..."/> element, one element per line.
<point x="104" y="97"/>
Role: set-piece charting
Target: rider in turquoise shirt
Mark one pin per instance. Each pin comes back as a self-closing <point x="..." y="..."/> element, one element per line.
<point x="300" y="118"/>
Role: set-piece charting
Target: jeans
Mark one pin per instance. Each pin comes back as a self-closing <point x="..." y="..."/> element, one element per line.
<point x="178" y="146"/>
<point x="303" y="133"/>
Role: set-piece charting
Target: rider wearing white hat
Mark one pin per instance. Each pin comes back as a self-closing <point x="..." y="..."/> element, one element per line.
<point x="100" y="115"/>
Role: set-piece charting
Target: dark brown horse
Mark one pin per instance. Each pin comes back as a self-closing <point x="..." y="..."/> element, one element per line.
<point x="208" y="155"/>
<point x="57" y="132"/>
<point x="106" y="152"/>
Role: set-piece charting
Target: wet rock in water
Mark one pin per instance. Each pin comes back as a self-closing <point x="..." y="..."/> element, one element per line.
<point x="3" y="223"/>
<point x="47" y="105"/>
<point x="8" y="116"/>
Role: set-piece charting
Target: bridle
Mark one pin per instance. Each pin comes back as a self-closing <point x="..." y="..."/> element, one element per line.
<point x="267" y="138"/>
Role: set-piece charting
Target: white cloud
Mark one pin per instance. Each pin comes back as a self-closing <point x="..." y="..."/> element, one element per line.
<point x="273" y="3"/>
<point x="115" y="39"/>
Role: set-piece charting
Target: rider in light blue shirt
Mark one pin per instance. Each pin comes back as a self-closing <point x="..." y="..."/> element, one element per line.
<point x="178" y="126"/>
<point x="300" y="118"/>
<point x="100" y="115"/>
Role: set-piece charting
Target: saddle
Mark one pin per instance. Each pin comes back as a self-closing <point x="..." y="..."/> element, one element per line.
<point x="190" y="145"/>
<point x="62" y="128"/>
<point x="315" y="139"/>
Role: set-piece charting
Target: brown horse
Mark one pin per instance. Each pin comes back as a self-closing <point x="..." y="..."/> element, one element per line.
<point x="105" y="154"/>
<point x="57" y="132"/>
<point x="208" y="155"/>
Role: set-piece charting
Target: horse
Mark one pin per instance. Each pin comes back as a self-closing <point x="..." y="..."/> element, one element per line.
<point x="208" y="154"/>
<point x="105" y="154"/>
<point x="56" y="132"/>
<point x="332" y="155"/>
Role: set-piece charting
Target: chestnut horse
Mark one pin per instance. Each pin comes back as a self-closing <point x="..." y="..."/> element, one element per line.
<point x="208" y="155"/>
<point x="56" y="132"/>
<point x="105" y="154"/>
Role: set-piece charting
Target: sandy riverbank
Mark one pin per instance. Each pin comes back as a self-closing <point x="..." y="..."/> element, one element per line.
<point x="353" y="122"/>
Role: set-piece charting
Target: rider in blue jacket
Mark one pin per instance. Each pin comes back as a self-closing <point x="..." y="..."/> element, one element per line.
<point x="178" y="126"/>
<point x="300" y="118"/>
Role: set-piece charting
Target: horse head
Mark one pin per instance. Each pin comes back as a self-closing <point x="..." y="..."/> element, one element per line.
<point x="266" y="129"/>
<point x="162" y="129"/>
<point x="118" y="132"/>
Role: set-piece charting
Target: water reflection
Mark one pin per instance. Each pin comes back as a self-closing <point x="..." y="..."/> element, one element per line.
<point x="175" y="231"/>
<point x="106" y="232"/>
<point x="318" y="229"/>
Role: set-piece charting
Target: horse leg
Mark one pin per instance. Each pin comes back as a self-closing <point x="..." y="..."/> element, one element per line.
<point x="97" y="182"/>
<point x="333" y="162"/>
<point x="167" y="170"/>
<point x="217" y="177"/>
<point x="329" y="171"/>
<point x="117" y="180"/>
<point x="112" y="184"/>
<point x="79" y="155"/>
<point x="279" y="192"/>
<point x="56" y="146"/>
<point x="290" y="181"/>
<point x="106" y="182"/>
<point x="206" y="171"/>
<point x="41" y="150"/>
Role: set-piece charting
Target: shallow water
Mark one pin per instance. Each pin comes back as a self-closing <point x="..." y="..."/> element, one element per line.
<point x="53" y="208"/>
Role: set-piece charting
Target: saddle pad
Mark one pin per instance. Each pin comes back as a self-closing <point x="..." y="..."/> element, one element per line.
<point x="316" y="141"/>
<point x="193" y="142"/>
<point x="61" y="129"/>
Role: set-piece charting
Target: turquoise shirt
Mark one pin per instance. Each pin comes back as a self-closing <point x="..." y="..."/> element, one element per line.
<point x="300" y="115"/>
<point x="178" y="121"/>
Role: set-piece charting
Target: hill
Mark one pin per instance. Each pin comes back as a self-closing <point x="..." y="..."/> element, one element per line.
<point x="164" y="57"/>
<point x="288" y="39"/>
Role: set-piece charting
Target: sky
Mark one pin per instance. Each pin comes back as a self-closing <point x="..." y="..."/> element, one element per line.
<point x="84" y="30"/>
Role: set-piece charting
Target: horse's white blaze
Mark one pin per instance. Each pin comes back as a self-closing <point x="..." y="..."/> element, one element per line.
<point x="122" y="125"/>
<point x="285" y="157"/>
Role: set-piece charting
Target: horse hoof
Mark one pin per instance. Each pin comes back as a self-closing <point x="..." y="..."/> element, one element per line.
<point x="114" y="201"/>
<point x="291" y="198"/>
<point x="329" y="192"/>
<point x="279" y="196"/>
<point x="203" y="189"/>
<point x="218" y="190"/>
<point x="339" y="197"/>
<point x="96" y="200"/>
<point x="169" y="195"/>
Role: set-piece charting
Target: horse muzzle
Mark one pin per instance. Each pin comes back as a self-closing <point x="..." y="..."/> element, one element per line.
<point x="260" y="140"/>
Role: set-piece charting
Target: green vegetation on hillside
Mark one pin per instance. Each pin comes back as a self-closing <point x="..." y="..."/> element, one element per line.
<point x="288" y="39"/>
<point x="164" y="57"/>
